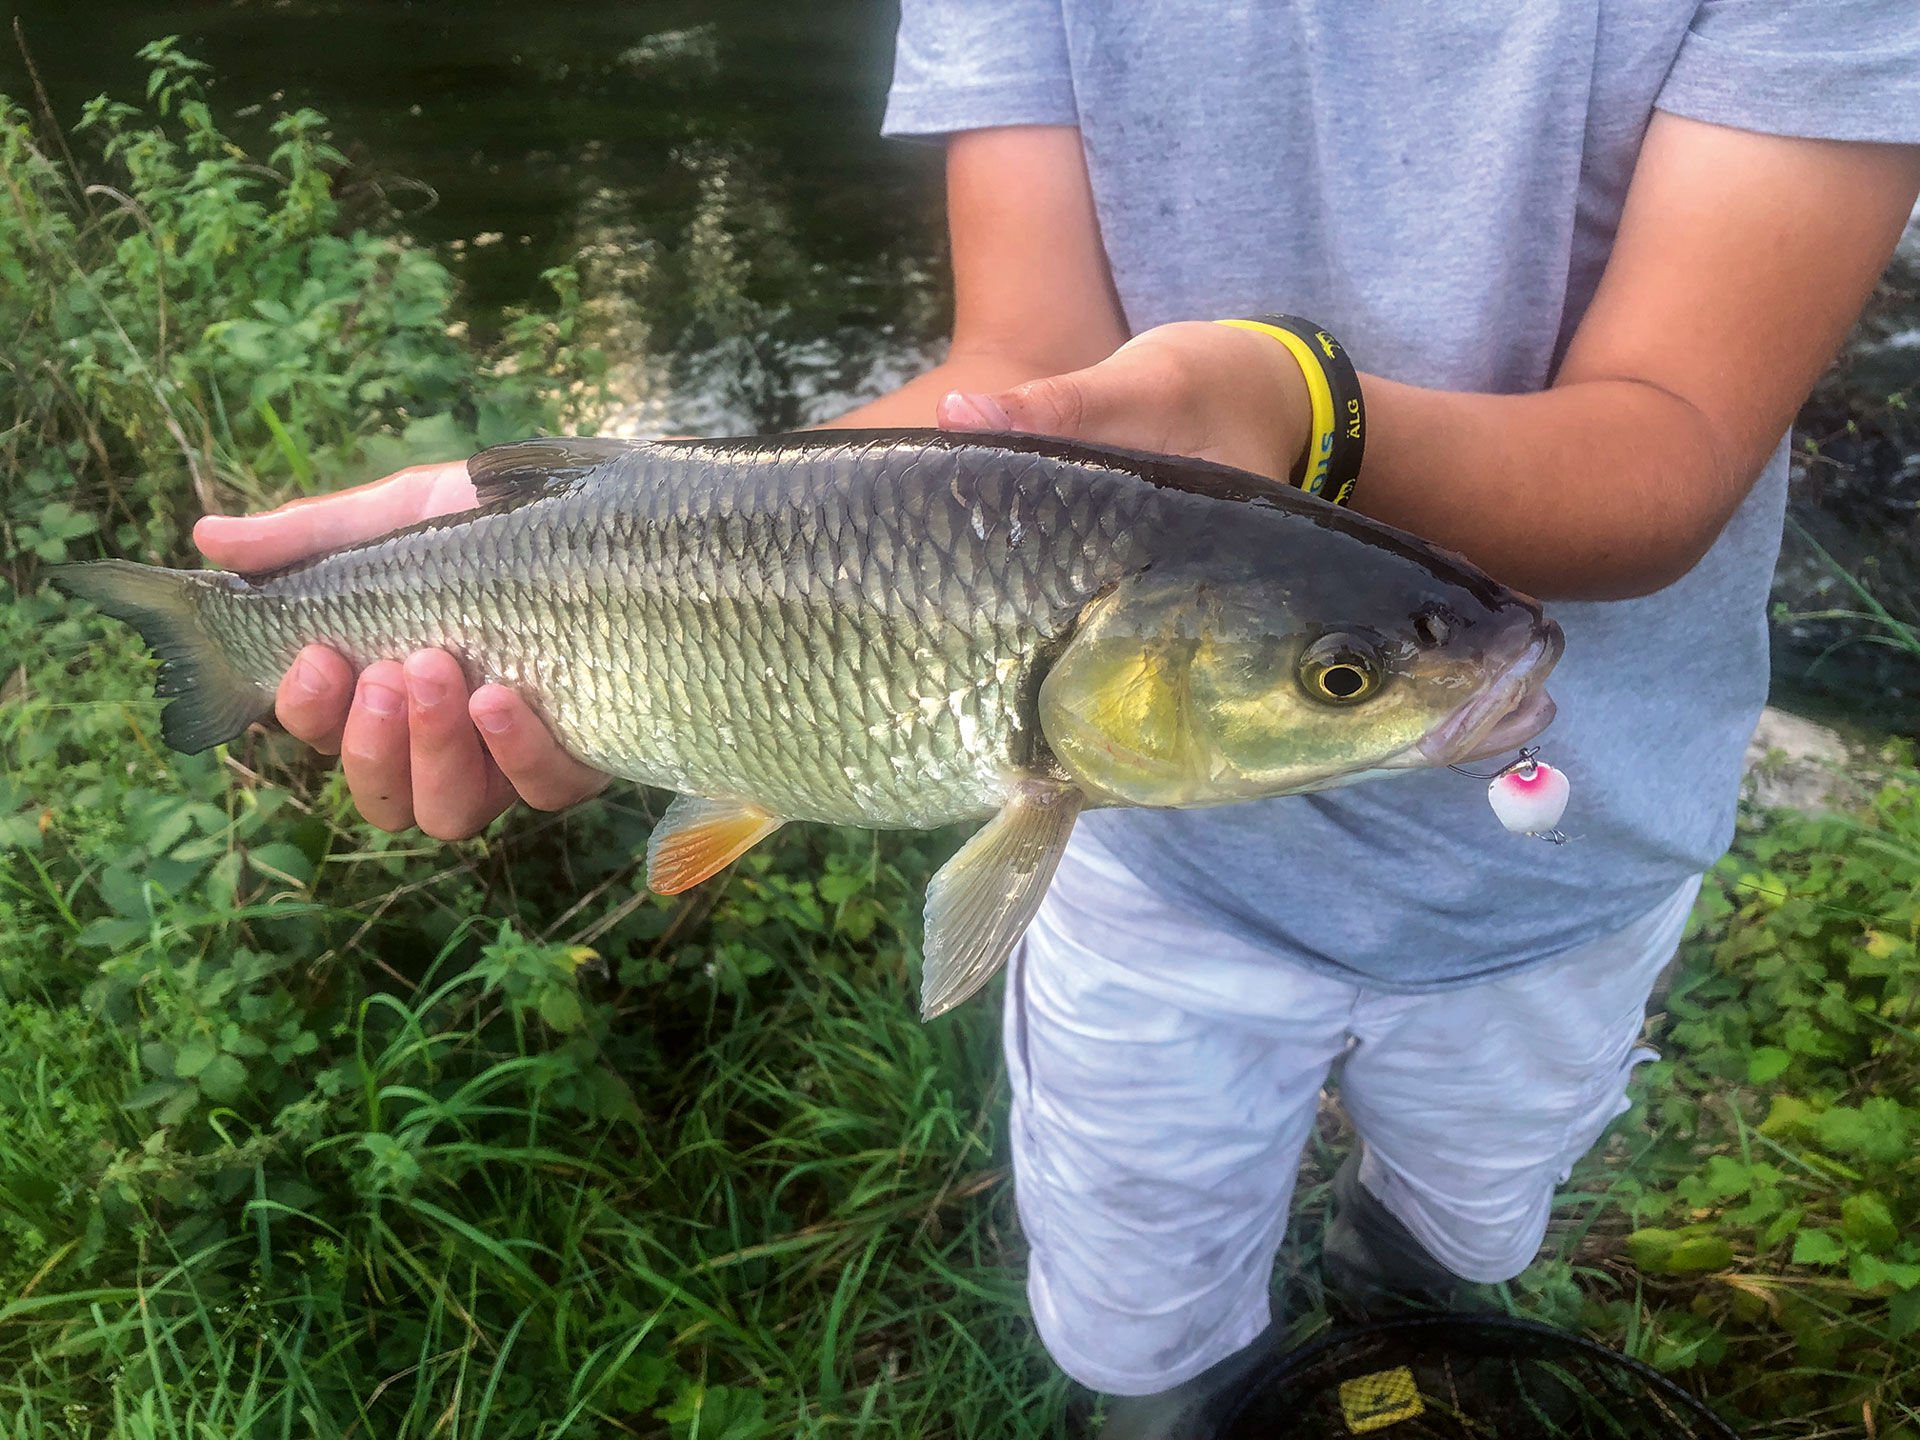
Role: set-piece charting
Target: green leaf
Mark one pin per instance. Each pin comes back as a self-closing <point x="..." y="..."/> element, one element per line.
<point x="1649" y="1248"/>
<point x="1818" y="1247"/>
<point x="224" y="1079"/>
<point x="1868" y="1221"/>
<point x="124" y="892"/>
<point x="560" y="1008"/>
<point x="290" y="449"/>
<point x="281" y="861"/>
<point x="1765" y="1205"/>
<point x="1726" y="1177"/>
<point x="194" y="1057"/>
<point x="717" y="1412"/>
<point x="1877" y="1130"/>
<point x="236" y="1041"/>
<point x="111" y="934"/>
<point x="173" y="1111"/>
<point x="1903" y="1314"/>
<point x="838" y="887"/>
<point x="169" y="826"/>
<point x="1767" y="1063"/>
<point x="1785" y="1115"/>
<point x="152" y="1093"/>
<point x="1698" y="1253"/>
<point x="1870" y="1273"/>
<point x="1783" y="1225"/>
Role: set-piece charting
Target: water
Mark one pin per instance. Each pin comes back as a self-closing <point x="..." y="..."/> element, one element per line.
<point x="758" y="254"/>
<point x="759" y="258"/>
<point x="1856" y="495"/>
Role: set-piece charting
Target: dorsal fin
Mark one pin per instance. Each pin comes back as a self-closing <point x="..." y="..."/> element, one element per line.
<point x="510" y="475"/>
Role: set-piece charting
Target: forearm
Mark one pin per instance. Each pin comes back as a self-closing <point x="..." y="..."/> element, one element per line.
<point x="1597" y="490"/>
<point x="1741" y="259"/>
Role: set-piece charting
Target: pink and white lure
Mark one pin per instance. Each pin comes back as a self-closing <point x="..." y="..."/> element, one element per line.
<point x="1529" y="797"/>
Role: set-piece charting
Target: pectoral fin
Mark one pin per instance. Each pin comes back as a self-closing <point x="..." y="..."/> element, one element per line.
<point x="982" y="900"/>
<point x="698" y="837"/>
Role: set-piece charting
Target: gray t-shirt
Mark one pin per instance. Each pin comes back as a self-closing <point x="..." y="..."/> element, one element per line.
<point x="1439" y="184"/>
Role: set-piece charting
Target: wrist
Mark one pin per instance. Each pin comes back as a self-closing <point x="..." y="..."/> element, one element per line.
<point x="1293" y="404"/>
<point x="1336" y="429"/>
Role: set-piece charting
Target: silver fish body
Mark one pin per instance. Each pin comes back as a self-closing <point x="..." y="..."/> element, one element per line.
<point x="844" y="631"/>
<point x="895" y="629"/>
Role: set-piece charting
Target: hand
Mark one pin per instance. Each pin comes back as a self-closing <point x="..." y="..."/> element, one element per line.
<point x="417" y="749"/>
<point x="1193" y="388"/>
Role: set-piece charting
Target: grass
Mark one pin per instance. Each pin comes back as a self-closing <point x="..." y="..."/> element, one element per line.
<point x="792" y="1218"/>
<point x="804" y="1224"/>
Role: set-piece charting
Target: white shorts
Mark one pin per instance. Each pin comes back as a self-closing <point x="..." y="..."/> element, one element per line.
<point x="1165" y="1077"/>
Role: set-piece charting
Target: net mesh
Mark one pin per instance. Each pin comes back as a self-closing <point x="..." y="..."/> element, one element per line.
<point x="1451" y="1378"/>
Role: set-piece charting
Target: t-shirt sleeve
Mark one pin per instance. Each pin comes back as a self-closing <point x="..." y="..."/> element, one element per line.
<point x="1825" y="69"/>
<point x="970" y="64"/>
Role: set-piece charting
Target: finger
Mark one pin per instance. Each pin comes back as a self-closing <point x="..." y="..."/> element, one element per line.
<point x="373" y="748"/>
<point x="543" y="774"/>
<point x="1126" y="399"/>
<point x="964" y="410"/>
<point x="449" y="769"/>
<point x="326" y="522"/>
<point x="313" y="697"/>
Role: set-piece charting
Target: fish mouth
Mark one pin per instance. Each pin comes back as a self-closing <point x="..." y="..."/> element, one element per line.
<point x="1508" y="713"/>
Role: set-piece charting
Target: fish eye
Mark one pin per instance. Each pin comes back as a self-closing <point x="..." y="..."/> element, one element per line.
<point x="1340" y="670"/>
<point x="1432" y="627"/>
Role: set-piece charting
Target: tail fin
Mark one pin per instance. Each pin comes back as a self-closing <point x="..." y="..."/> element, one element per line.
<point x="213" y="702"/>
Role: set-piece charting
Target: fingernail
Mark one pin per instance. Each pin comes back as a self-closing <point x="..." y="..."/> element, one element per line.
<point x="382" y="700"/>
<point x="494" y="722"/>
<point x="426" y="691"/>
<point x="960" y="411"/>
<point x="305" y="677"/>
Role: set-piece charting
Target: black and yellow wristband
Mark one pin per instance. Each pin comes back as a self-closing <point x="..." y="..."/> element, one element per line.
<point x="1339" y="439"/>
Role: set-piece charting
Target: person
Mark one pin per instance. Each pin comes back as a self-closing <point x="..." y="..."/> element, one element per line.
<point x="1590" y="256"/>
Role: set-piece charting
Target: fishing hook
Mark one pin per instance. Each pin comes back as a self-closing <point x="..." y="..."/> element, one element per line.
<point x="1527" y="762"/>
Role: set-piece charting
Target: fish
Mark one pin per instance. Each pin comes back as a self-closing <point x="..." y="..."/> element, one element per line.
<point x="897" y="629"/>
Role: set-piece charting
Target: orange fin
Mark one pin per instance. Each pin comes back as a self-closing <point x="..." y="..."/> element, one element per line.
<point x="698" y="837"/>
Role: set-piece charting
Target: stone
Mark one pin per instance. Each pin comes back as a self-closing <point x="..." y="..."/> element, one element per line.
<point x="1793" y="763"/>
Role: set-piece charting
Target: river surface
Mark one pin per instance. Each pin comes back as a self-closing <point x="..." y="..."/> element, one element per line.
<point x="757" y="252"/>
<point x="759" y="258"/>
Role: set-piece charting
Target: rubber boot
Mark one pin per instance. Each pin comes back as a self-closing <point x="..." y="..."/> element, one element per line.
<point x="1374" y="1268"/>
<point x="1192" y="1410"/>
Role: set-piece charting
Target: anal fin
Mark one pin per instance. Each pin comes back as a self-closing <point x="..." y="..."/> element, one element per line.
<point x="983" y="899"/>
<point x="698" y="837"/>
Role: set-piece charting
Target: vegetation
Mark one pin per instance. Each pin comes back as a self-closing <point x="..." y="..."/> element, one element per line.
<point x="306" y="1130"/>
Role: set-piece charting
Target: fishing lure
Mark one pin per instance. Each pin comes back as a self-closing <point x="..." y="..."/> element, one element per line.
<point x="1529" y="796"/>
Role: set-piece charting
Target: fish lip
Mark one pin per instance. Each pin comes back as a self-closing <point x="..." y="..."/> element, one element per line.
<point x="1509" y="712"/>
